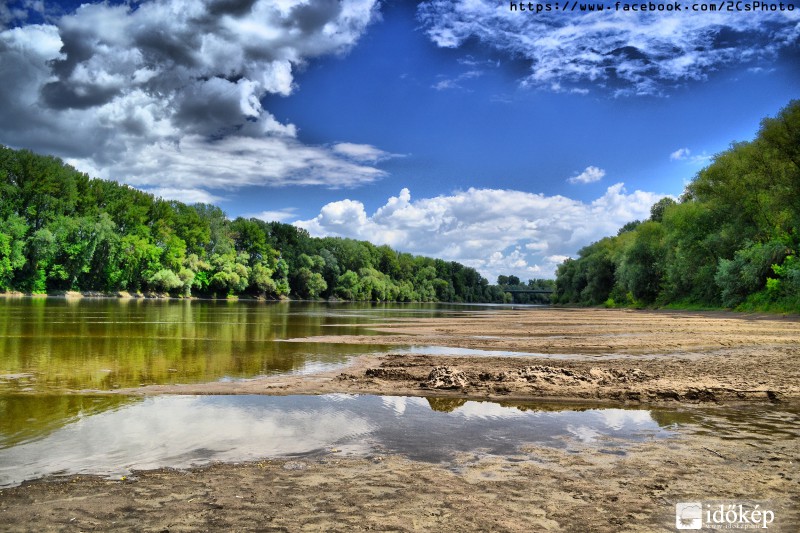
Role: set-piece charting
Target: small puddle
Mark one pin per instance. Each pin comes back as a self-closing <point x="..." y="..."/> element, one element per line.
<point x="181" y="431"/>
<point x="474" y="352"/>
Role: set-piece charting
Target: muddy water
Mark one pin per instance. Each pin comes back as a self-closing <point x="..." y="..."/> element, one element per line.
<point x="49" y="345"/>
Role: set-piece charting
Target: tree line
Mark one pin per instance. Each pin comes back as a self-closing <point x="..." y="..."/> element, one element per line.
<point x="730" y="240"/>
<point x="60" y="230"/>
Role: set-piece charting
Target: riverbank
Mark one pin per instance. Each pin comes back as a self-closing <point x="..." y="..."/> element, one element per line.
<point x="704" y="366"/>
<point x="125" y="295"/>
<point x="614" y="356"/>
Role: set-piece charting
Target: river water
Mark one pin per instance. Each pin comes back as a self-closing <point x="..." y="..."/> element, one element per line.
<point x="50" y="348"/>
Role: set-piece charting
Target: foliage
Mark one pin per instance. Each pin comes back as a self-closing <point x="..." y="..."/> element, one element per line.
<point x="731" y="240"/>
<point x="61" y="230"/>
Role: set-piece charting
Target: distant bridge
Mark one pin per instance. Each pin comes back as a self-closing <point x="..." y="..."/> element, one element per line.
<point x="528" y="291"/>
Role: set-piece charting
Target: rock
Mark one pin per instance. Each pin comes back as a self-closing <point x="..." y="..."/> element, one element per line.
<point x="443" y="377"/>
<point x="388" y="373"/>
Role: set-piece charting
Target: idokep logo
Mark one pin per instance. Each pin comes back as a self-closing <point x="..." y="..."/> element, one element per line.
<point x="689" y="515"/>
<point x="696" y="515"/>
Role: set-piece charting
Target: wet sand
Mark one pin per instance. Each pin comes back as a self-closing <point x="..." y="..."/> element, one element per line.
<point x="698" y="363"/>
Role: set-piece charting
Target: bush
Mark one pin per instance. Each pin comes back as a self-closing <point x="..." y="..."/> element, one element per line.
<point x="165" y="280"/>
<point x="747" y="272"/>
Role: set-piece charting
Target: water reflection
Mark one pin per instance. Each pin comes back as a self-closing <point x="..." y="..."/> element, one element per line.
<point x="473" y="352"/>
<point x="24" y="418"/>
<point x="180" y="431"/>
<point x="52" y="344"/>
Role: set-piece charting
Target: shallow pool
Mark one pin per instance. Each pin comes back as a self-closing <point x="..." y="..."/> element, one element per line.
<point x="112" y="436"/>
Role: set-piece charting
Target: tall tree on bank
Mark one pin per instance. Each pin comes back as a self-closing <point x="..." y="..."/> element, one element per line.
<point x="732" y="240"/>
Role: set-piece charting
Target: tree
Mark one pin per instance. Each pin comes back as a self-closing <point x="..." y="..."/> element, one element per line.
<point x="311" y="284"/>
<point x="12" y="249"/>
<point x="348" y="287"/>
<point x="731" y="240"/>
<point x="60" y="230"/>
<point x="658" y="208"/>
<point x="165" y="280"/>
<point x="641" y="268"/>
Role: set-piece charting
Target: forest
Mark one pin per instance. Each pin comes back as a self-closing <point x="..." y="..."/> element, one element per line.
<point x="731" y="239"/>
<point x="60" y="230"/>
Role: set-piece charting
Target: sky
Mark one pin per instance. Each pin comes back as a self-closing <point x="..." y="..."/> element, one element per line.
<point x="459" y="129"/>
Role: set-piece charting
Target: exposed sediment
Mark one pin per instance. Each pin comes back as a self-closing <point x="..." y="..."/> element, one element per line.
<point x="690" y="361"/>
<point x="575" y="354"/>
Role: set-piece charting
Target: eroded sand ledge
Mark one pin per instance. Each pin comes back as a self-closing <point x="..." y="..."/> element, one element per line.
<point x="687" y="360"/>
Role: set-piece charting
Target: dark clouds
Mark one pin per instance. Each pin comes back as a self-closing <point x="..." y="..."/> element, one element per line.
<point x="127" y="93"/>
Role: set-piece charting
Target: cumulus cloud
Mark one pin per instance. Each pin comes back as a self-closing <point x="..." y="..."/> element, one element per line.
<point x="167" y="95"/>
<point x="623" y="52"/>
<point x="590" y="175"/>
<point x="12" y="12"/>
<point x="187" y="196"/>
<point x="496" y="231"/>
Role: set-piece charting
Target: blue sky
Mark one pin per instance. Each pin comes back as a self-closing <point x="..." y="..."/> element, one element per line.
<point x="460" y="130"/>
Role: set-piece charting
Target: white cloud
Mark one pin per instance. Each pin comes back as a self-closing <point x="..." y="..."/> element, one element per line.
<point x="621" y="52"/>
<point x="168" y="96"/>
<point x="680" y="154"/>
<point x="12" y="12"/>
<point x="590" y="175"/>
<point x="279" y="215"/>
<point x="234" y="162"/>
<point x="496" y="231"/>
<point x="455" y="83"/>
<point x="684" y="154"/>
<point x="363" y="153"/>
<point x="187" y="196"/>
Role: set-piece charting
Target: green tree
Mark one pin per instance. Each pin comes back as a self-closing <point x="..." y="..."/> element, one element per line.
<point x="641" y="268"/>
<point x="12" y="249"/>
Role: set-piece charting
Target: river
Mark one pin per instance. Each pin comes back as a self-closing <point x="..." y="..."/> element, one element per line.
<point x="58" y="356"/>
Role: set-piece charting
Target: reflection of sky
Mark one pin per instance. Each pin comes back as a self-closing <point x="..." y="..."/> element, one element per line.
<point x="615" y="420"/>
<point x="398" y="404"/>
<point x="179" y="431"/>
<point x="471" y="410"/>
<point x="620" y="418"/>
<point x="449" y="350"/>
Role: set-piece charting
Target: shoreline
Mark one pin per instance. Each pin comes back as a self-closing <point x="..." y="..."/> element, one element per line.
<point x="576" y="355"/>
<point x="125" y="295"/>
<point x="693" y="362"/>
<point x="513" y="379"/>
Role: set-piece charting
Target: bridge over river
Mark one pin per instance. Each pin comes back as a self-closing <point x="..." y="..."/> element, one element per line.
<point x="528" y="291"/>
<point x="514" y="292"/>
